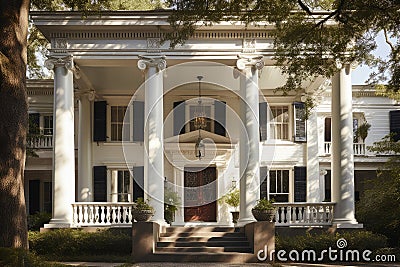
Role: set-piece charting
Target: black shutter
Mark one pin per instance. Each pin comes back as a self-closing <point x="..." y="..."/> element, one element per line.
<point x="34" y="122"/>
<point x="300" y="184"/>
<point x="394" y="117"/>
<point x="34" y="196"/>
<point x="138" y="121"/>
<point x="300" y="130"/>
<point x="220" y="118"/>
<point x="179" y="117"/>
<point x="138" y="182"/>
<point x="100" y="183"/>
<point x="100" y="121"/>
<point x="263" y="111"/>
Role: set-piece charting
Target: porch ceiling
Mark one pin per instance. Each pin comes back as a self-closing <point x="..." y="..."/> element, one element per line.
<point x="117" y="76"/>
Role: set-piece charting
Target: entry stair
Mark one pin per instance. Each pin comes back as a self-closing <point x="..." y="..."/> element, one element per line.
<point x="203" y="244"/>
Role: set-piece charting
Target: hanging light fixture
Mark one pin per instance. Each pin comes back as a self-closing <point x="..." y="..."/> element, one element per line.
<point x="199" y="114"/>
<point x="199" y="124"/>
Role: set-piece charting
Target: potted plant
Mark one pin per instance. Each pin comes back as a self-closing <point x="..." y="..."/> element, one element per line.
<point x="362" y="131"/>
<point x="233" y="200"/>
<point x="142" y="211"/>
<point x="264" y="210"/>
<point x="171" y="204"/>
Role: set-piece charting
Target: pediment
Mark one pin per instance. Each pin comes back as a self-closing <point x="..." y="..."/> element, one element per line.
<point x="191" y="137"/>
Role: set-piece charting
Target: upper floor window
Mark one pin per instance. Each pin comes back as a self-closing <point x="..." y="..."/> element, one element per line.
<point x="279" y="122"/>
<point x="48" y="125"/>
<point x="117" y="123"/>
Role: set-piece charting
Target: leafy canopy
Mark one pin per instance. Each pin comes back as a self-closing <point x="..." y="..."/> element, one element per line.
<point x="310" y="36"/>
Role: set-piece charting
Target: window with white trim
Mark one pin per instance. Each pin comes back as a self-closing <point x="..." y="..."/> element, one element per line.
<point x="279" y="185"/>
<point x="118" y="120"/>
<point x="48" y="124"/>
<point x="279" y="123"/>
<point x="124" y="186"/>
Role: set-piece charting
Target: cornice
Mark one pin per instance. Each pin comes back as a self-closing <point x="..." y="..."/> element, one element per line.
<point x="39" y="87"/>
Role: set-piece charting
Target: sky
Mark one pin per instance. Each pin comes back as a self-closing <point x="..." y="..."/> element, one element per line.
<point x="361" y="73"/>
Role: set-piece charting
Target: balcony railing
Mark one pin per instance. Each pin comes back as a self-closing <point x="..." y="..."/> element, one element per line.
<point x="102" y="214"/>
<point x="359" y="149"/>
<point x="40" y="141"/>
<point x="304" y="214"/>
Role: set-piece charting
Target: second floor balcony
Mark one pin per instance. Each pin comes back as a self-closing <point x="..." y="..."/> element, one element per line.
<point x="40" y="141"/>
<point x="359" y="149"/>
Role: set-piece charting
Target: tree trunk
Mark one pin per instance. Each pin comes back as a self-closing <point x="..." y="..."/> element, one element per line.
<point x="13" y="121"/>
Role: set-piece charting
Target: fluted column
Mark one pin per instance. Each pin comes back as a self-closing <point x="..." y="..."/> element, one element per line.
<point x="85" y="180"/>
<point x="313" y="183"/>
<point x="154" y="134"/>
<point x="63" y="141"/>
<point x="342" y="149"/>
<point x="249" y="137"/>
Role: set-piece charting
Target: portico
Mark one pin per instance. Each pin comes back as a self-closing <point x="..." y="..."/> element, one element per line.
<point x="135" y="99"/>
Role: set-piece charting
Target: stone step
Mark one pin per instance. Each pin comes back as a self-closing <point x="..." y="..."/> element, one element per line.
<point x="203" y="238"/>
<point x="202" y="234"/>
<point x="203" y="229"/>
<point x="203" y="249"/>
<point x="204" y="244"/>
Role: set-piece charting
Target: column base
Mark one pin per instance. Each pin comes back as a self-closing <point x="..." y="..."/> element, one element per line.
<point x="57" y="223"/>
<point x="345" y="223"/>
<point x="162" y="223"/>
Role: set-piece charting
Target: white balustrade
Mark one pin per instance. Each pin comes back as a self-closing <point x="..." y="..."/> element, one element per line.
<point x="359" y="149"/>
<point x="102" y="214"/>
<point x="40" y="141"/>
<point x="304" y="214"/>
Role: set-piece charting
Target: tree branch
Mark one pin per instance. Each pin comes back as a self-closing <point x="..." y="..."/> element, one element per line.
<point x="387" y="40"/>
<point x="304" y="7"/>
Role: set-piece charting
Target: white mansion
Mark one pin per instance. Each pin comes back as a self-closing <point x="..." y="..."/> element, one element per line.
<point x="127" y="116"/>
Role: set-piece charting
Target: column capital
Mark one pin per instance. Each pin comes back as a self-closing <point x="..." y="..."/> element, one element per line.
<point x="347" y="65"/>
<point x="89" y="94"/>
<point x="249" y="60"/>
<point x="65" y="61"/>
<point x="157" y="61"/>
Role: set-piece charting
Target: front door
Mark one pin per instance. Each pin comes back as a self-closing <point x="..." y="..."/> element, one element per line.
<point x="200" y="194"/>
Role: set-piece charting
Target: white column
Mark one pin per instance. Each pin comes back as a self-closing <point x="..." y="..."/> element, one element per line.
<point x="114" y="186"/>
<point x="154" y="134"/>
<point x="85" y="181"/>
<point x="313" y="193"/>
<point x="63" y="141"/>
<point x="179" y="188"/>
<point x="249" y="143"/>
<point x="342" y="150"/>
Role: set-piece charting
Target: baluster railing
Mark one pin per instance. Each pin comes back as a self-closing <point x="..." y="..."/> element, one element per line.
<point x="304" y="214"/>
<point x="101" y="214"/>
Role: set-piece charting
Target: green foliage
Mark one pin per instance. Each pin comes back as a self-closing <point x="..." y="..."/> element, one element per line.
<point x="264" y="204"/>
<point x="310" y="37"/>
<point x="233" y="198"/>
<point x="37" y="220"/>
<point x="69" y="243"/>
<point x="19" y="257"/>
<point x="360" y="240"/>
<point x="379" y="206"/>
<point x="171" y="203"/>
<point x="141" y="204"/>
<point x="362" y="131"/>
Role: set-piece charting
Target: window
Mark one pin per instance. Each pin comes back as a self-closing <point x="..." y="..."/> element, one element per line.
<point x="124" y="182"/>
<point x="117" y="123"/>
<point x="280" y="122"/>
<point x="279" y="185"/>
<point x="48" y="125"/>
<point x="209" y="126"/>
<point x="328" y="132"/>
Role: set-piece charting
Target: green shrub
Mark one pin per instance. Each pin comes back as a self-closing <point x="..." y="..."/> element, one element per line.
<point x="356" y="240"/>
<point x="37" y="220"/>
<point x="70" y="243"/>
<point x="19" y="257"/>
